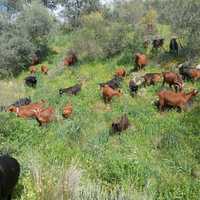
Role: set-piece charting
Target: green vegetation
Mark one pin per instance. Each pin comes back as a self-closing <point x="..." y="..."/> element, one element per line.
<point x="76" y="158"/>
<point x="152" y="159"/>
<point x="20" y="38"/>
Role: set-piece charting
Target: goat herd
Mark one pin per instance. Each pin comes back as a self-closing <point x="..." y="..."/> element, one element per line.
<point x="26" y="109"/>
<point x="9" y="167"/>
<point x="167" y="99"/>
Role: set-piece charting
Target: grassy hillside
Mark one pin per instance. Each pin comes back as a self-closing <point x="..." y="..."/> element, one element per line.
<point x="153" y="159"/>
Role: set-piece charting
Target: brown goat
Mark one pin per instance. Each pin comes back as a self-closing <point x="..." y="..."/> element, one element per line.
<point x="44" y="69"/>
<point x="27" y="111"/>
<point x="140" y="61"/>
<point x="32" y="69"/>
<point x="151" y="78"/>
<point x="121" y="124"/>
<point x="71" y="59"/>
<point x="173" y="79"/>
<point x="67" y="111"/>
<point x="45" y="116"/>
<point x="109" y="93"/>
<point x="120" y="72"/>
<point x="170" y="98"/>
<point x="195" y="74"/>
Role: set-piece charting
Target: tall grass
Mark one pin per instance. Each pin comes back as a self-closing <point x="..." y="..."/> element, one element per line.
<point x="153" y="159"/>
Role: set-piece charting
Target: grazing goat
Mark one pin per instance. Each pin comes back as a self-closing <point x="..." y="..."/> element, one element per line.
<point x="27" y="111"/>
<point x="67" y="111"/>
<point x="121" y="124"/>
<point x="71" y="59"/>
<point x="120" y="72"/>
<point x="169" y="98"/>
<point x="74" y="90"/>
<point x="173" y="79"/>
<point x="189" y="73"/>
<point x="31" y="81"/>
<point x="140" y="61"/>
<point x="45" y="116"/>
<point x="158" y="43"/>
<point x="151" y="78"/>
<point x="32" y="69"/>
<point x="9" y="175"/>
<point x="108" y="93"/>
<point x="44" y="69"/>
<point x="113" y="83"/>
<point x="133" y="88"/>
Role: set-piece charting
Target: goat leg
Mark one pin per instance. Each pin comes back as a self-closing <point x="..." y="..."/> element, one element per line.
<point x="163" y="83"/>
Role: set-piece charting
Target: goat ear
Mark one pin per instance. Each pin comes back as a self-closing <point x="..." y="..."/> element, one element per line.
<point x="10" y="109"/>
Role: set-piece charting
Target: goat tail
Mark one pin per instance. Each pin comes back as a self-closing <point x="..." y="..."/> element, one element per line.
<point x="180" y="85"/>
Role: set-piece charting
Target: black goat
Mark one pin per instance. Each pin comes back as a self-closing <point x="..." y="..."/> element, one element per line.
<point x="113" y="83"/>
<point x="9" y="175"/>
<point x="31" y="81"/>
<point x="74" y="90"/>
<point x="22" y="102"/>
<point x="133" y="88"/>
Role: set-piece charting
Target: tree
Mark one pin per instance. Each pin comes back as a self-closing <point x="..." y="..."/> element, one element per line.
<point x="184" y="18"/>
<point x="20" y="38"/>
<point x="15" y="52"/>
<point x="129" y="12"/>
<point x="75" y="8"/>
<point x="99" y="37"/>
<point x="36" y="22"/>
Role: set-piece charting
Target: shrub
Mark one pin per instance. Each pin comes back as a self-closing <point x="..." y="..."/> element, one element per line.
<point x="21" y="37"/>
<point x="15" y="53"/>
<point x="101" y="38"/>
<point x="4" y="24"/>
<point x="75" y="9"/>
<point x="184" y="19"/>
<point x="36" y="23"/>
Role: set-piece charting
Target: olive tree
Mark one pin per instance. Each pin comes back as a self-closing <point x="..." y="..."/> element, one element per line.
<point x="183" y="16"/>
<point x="74" y="9"/>
<point x="99" y="37"/>
<point x="36" y="22"/>
<point x="20" y="38"/>
<point x="15" y="53"/>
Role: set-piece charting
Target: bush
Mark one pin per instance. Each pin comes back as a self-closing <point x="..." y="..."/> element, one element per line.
<point x="75" y="9"/>
<point x="20" y="38"/>
<point x="184" y="19"/>
<point x="15" y="53"/>
<point x="36" y="23"/>
<point x="101" y="38"/>
<point x="4" y="24"/>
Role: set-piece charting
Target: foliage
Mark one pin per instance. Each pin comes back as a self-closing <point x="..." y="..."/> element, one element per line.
<point x="77" y="158"/>
<point x="153" y="159"/>
<point x="74" y="10"/>
<point x="100" y="38"/>
<point x="21" y="37"/>
<point x="36" y="23"/>
<point x="129" y="12"/>
<point x="15" y="52"/>
<point x="183" y="18"/>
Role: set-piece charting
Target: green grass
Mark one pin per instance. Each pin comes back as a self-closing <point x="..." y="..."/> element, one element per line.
<point x="151" y="160"/>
